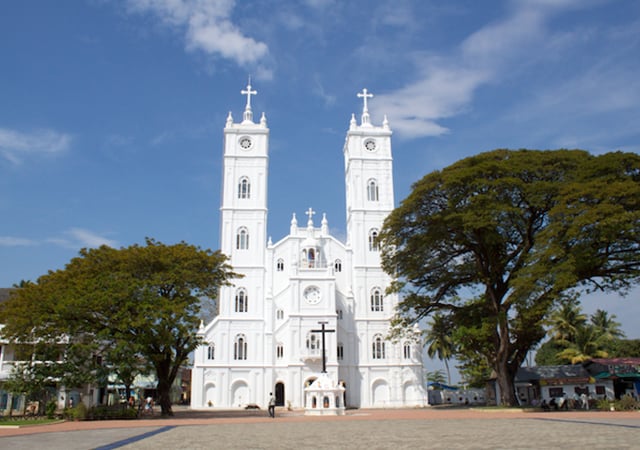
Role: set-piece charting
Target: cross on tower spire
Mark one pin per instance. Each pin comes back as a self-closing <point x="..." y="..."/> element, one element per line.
<point x="310" y="212"/>
<point x="248" y="114"/>
<point x="365" y="110"/>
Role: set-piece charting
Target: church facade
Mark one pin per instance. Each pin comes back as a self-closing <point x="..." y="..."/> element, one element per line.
<point x="307" y="292"/>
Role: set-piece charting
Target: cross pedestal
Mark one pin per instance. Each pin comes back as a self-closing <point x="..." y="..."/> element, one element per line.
<point x="324" y="397"/>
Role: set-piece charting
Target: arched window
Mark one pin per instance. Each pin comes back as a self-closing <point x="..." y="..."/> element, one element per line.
<point x="377" y="301"/>
<point x="406" y="350"/>
<point x="340" y="351"/>
<point x="280" y="265"/>
<point x="244" y="188"/>
<point x="211" y="351"/>
<point x="378" y="347"/>
<point x="373" y="240"/>
<point x="313" y="343"/>
<point x="309" y="254"/>
<point x="338" y="265"/>
<point x="242" y="239"/>
<point x="240" y="347"/>
<point x="372" y="190"/>
<point x="279" y="351"/>
<point x="279" y="314"/>
<point x="242" y="301"/>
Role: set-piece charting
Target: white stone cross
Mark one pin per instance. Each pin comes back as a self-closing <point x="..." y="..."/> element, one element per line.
<point x="248" y="92"/>
<point x="365" y="95"/>
<point x="310" y="212"/>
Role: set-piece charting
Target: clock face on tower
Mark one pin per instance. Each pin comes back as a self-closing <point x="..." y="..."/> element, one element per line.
<point x="370" y="145"/>
<point x="245" y="143"/>
<point x="312" y="295"/>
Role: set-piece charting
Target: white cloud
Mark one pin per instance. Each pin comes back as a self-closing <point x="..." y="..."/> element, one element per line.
<point x="15" y="146"/>
<point x="442" y="92"/>
<point x="446" y="85"/>
<point x="319" y="90"/>
<point x="11" y="241"/>
<point x="86" y="238"/>
<point x="74" y="238"/>
<point x="207" y="27"/>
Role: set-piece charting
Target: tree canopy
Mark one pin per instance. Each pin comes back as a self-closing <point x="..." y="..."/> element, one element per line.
<point x="496" y="240"/>
<point x="140" y="302"/>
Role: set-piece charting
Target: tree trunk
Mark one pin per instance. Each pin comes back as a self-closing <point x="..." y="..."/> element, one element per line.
<point x="507" y="387"/>
<point x="446" y="365"/>
<point x="164" y="398"/>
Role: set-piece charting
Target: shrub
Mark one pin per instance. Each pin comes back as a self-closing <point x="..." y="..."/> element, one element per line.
<point x="103" y="412"/>
<point x="626" y="403"/>
<point x="51" y="409"/>
<point x="80" y="411"/>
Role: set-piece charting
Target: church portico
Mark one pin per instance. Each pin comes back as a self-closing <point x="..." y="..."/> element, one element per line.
<point x="305" y="288"/>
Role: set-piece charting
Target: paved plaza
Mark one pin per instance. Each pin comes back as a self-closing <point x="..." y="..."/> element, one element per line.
<point x="432" y="428"/>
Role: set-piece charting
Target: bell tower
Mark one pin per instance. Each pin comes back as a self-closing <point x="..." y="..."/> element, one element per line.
<point x="243" y="211"/>
<point x="368" y="183"/>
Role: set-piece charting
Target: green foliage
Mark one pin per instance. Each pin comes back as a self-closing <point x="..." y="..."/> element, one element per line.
<point x="626" y="403"/>
<point x="495" y="241"/>
<point x="474" y="369"/>
<point x="139" y="303"/>
<point x="588" y="343"/>
<point x="574" y="340"/>
<point x="436" y="376"/>
<point x="624" y="348"/>
<point x="79" y="412"/>
<point x="439" y="341"/>
<point x="603" y="404"/>
<point x="51" y="409"/>
<point x="547" y="353"/>
<point x="118" y="412"/>
<point x="606" y="325"/>
<point x="566" y="320"/>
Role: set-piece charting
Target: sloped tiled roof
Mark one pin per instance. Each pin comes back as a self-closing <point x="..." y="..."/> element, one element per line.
<point x="551" y="372"/>
<point x="617" y="361"/>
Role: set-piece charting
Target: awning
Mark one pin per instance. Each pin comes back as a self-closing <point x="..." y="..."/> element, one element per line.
<point x="442" y="386"/>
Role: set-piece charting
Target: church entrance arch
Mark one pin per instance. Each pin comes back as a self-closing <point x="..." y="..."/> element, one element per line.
<point x="380" y="391"/>
<point x="279" y="393"/>
<point x="410" y="394"/>
<point x="240" y="394"/>
<point x="210" y="394"/>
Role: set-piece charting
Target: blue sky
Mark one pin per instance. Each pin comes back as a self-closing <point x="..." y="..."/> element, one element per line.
<point x="111" y="112"/>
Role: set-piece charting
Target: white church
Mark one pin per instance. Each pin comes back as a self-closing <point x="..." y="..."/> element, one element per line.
<point x="267" y="336"/>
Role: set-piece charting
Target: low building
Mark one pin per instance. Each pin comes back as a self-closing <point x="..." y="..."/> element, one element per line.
<point x="569" y="382"/>
<point x="624" y="373"/>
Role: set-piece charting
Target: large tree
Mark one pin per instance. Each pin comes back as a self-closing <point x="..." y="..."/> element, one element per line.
<point x="495" y="241"/>
<point x="143" y="301"/>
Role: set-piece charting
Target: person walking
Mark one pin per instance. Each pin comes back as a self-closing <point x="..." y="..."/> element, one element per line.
<point x="272" y="406"/>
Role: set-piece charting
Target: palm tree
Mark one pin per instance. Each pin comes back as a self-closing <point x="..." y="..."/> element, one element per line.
<point x="606" y="325"/>
<point x="439" y="342"/>
<point x="566" y="321"/>
<point x="436" y="376"/>
<point x="588" y="343"/>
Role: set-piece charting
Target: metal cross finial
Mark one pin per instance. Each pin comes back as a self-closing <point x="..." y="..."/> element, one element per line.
<point x="248" y="92"/>
<point x="365" y="94"/>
